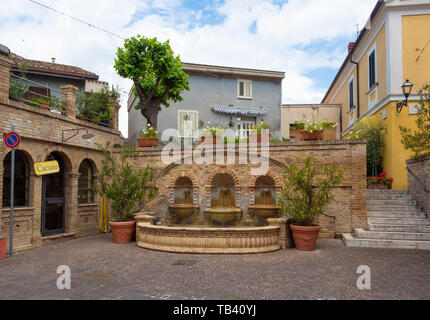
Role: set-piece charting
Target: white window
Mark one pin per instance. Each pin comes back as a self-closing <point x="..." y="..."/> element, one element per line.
<point x="372" y="59"/>
<point x="188" y="123"/>
<point x="243" y="127"/>
<point x="244" y="89"/>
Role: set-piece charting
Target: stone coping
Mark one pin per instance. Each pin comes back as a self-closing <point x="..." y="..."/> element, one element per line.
<point x="424" y="158"/>
<point x="244" y="229"/>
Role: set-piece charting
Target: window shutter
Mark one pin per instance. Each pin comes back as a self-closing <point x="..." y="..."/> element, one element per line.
<point x="248" y="89"/>
<point x="241" y="88"/>
<point x="351" y="94"/>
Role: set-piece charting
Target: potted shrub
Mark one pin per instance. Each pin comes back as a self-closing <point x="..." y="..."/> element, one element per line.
<point x="127" y="190"/>
<point x="314" y="130"/>
<point x="17" y="90"/>
<point x="97" y="106"/>
<point x="305" y="196"/>
<point x="380" y="182"/>
<point x="259" y="131"/>
<point x="148" y="138"/>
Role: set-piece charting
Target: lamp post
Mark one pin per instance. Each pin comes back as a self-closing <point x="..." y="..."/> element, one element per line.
<point x="407" y="89"/>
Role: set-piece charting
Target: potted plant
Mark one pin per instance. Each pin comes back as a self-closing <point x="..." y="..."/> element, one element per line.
<point x="148" y="138"/>
<point x="127" y="190"/>
<point x="259" y="131"/>
<point x="305" y="196"/>
<point x="97" y="106"/>
<point x="380" y="182"/>
<point x="314" y="130"/>
<point x="17" y="90"/>
<point x="39" y="103"/>
<point x="210" y="133"/>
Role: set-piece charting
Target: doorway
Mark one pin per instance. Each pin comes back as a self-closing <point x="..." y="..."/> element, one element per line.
<point x="53" y="204"/>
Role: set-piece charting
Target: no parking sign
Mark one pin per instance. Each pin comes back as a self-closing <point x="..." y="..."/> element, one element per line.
<point x="12" y="141"/>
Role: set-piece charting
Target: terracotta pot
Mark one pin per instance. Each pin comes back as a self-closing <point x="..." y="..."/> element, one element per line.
<point x="123" y="231"/>
<point x="147" y="142"/>
<point x="305" y="238"/>
<point x="259" y="137"/>
<point x="2" y="248"/>
<point x="208" y="140"/>
<point x="304" y="135"/>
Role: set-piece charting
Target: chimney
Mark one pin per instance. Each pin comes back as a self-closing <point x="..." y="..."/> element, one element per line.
<point x="350" y="46"/>
<point x="53" y="60"/>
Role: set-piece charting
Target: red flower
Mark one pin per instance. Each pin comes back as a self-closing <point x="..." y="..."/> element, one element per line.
<point x="391" y="179"/>
<point x="379" y="178"/>
<point x="383" y="174"/>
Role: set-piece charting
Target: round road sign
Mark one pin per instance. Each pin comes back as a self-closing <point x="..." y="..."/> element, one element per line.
<point x="12" y="140"/>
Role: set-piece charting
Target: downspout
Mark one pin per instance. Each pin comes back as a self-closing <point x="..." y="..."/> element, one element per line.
<point x="358" y="86"/>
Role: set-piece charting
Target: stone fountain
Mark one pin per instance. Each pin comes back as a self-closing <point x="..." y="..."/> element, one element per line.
<point x="183" y="210"/>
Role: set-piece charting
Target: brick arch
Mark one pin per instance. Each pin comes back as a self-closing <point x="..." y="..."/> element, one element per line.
<point x="271" y="174"/>
<point x="223" y="171"/>
<point x="184" y="174"/>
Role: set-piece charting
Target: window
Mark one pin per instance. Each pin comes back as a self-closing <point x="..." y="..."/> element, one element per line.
<point x="187" y="123"/>
<point x="351" y="95"/>
<point x="244" y="89"/>
<point x="85" y="182"/>
<point x="372" y="69"/>
<point x="22" y="180"/>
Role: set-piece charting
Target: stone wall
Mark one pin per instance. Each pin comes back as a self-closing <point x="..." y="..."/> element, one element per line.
<point x="41" y="133"/>
<point x="347" y="211"/>
<point x="419" y="182"/>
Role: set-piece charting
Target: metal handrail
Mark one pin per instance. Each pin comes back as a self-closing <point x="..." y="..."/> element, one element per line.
<point x="423" y="184"/>
<point x="39" y="84"/>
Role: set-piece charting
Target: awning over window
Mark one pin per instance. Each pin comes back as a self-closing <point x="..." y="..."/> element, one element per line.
<point x="254" y="112"/>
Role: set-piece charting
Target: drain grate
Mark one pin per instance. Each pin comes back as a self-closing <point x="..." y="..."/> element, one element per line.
<point x="187" y="263"/>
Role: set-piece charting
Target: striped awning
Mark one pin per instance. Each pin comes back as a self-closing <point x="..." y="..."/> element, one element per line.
<point x="254" y="112"/>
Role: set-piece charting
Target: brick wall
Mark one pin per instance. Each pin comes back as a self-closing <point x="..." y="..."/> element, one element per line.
<point x="347" y="211"/>
<point x="419" y="174"/>
<point x="41" y="134"/>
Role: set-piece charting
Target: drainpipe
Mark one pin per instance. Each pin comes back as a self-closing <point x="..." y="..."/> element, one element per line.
<point x="358" y="86"/>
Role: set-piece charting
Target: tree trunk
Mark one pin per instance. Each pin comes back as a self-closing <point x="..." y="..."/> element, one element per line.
<point x="150" y="112"/>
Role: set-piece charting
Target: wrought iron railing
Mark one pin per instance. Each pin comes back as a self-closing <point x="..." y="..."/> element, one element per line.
<point x="21" y="89"/>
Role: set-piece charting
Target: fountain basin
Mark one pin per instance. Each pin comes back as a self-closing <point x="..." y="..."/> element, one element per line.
<point x="183" y="209"/>
<point x="208" y="240"/>
<point x="224" y="215"/>
<point x="264" y="211"/>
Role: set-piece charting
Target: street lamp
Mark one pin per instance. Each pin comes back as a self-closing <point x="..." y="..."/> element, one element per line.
<point x="407" y="89"/>
<point x="86" y="136"/>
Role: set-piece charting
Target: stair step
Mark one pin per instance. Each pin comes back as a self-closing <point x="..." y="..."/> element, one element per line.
<point x="399" y="221"/>
<point x="396" y="215"/>
<point x="360" y="233"/>
<point x="399" y="228"/>
<point x="393" y="208"/>
<point x="402" y="202"/>
<point x="351" y="241"/>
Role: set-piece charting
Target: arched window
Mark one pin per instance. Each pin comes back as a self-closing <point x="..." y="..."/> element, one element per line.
<point x="22" y="180"/>
<point x="85" y="183"/>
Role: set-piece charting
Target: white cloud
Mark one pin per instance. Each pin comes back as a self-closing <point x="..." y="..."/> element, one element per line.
<point x="282" y="41"/>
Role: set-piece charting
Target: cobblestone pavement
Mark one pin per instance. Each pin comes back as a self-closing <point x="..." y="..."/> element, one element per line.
<point x="103" y="270"/>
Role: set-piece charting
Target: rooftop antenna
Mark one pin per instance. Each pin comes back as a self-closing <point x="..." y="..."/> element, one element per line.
<point x="358" y="30"/>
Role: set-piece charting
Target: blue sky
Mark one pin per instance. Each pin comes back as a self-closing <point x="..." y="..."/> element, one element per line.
<point x="307" y="39"/>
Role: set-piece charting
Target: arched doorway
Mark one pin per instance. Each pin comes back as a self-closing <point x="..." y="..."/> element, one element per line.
<point x="53" y="199"/>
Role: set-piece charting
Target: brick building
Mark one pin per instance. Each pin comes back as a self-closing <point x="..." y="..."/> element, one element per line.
<point x="57" y="205"/>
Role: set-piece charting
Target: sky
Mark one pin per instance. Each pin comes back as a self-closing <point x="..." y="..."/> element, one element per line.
<point x="306" y="39"/>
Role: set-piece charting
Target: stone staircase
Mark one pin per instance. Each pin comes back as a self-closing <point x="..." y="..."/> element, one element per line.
<point x="395" y="221"/>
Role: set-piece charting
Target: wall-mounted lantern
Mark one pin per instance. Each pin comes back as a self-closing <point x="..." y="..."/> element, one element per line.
<point x="407" y="89"/>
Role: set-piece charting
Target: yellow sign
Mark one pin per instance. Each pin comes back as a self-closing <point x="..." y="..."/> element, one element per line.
<point x="48" y="167"/>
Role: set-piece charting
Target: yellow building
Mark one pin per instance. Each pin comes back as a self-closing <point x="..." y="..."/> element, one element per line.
<point x="394" y="46"/>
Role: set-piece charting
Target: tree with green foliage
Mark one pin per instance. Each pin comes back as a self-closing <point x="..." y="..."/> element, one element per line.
<point x="128" y="190"/>
<point x="373" y="130"/>
<point x="307" y="190"/>
<point x="156" y="73"/>
<point x="419" y="140"/>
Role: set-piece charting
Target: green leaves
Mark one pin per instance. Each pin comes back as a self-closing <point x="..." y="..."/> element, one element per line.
<point x="419" y="140"/>
<point x="128" y="190"/>
<point x="307" y="190"/>
<point x="156" y="72"/>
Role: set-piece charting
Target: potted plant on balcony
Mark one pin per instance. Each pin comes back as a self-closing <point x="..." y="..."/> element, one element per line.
<point x="259" y="132"/>
<point x="128" y="190"/>
<point x="380" y="182"/>
<point x="306" y="129"/>
<point x="305" y="196"/>
<point x="148" y="138"/>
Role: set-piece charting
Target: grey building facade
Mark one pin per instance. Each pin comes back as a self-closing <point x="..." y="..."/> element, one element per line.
<point x="224" y="96"/>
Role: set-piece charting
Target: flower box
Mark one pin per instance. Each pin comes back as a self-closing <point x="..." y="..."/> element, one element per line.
<point x="303" y="135"/>
<point x="147" y="142"/>
<point x="378" y="186"/>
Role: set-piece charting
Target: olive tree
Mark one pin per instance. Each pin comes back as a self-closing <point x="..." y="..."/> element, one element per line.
<point x="156" y="73"/>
